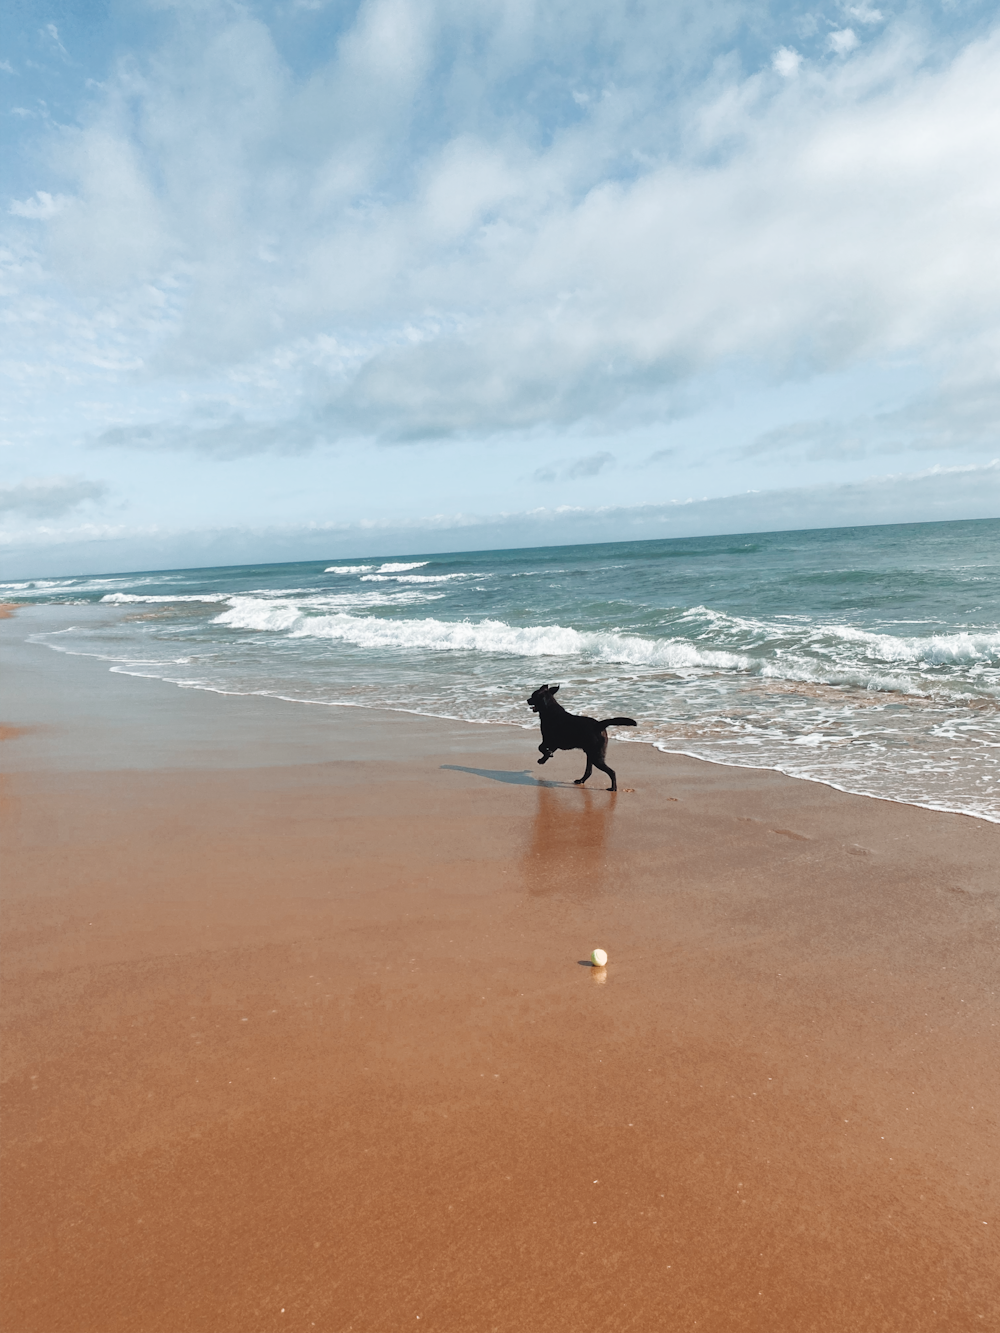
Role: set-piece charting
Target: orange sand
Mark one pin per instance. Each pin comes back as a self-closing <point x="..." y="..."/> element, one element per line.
<point x="310" y="1045"/>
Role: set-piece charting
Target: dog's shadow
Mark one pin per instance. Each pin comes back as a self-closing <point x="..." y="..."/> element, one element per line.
<point x="517" y="777"/>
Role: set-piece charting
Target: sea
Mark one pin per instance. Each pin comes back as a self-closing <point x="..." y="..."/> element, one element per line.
<point x="865" y="658"/>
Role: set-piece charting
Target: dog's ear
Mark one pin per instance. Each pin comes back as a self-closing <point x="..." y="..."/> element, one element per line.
<point x="553" y="689"/>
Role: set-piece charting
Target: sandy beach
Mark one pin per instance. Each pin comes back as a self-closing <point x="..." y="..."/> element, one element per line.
<point x="299" y="1032"/>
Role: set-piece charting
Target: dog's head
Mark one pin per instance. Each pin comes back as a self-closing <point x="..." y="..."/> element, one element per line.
<point x="540" y="695"/>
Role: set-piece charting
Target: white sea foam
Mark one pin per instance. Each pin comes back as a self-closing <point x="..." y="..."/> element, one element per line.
<point x="934" y="649"/>
<point x="965" y="646"/>
<point x="272" y="614"/>
<point x="125" y="581"/>
<point x="377" y="597"/>
<point x="489" y="636"/>
<point x="390" y="567"/>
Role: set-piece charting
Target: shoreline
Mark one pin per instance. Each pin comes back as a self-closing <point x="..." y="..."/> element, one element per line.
<point x="825" y="782"/>
<point x="299" y="1036"/>
<point x="660" y="747"/>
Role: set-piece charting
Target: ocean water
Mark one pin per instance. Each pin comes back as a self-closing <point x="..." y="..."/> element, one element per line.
<point x="866" y="658"/>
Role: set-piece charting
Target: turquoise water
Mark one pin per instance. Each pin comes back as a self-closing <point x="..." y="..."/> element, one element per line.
<point x="867" y="658"/>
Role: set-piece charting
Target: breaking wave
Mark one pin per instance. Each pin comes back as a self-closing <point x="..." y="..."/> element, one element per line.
<point x="390" y="567"/>
<point x="485" y="636"/>
<point x="934" y="650"/>
<point x="813" y="655"/>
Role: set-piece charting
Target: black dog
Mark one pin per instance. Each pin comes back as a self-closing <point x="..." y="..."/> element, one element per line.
<point x="569" y="731"/>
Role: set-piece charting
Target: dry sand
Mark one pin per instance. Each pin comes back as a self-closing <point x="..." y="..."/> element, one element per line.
<point x="298" y="1033"/>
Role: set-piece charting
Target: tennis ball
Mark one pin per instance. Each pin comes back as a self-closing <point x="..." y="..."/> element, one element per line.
<point x="598" y="957"/>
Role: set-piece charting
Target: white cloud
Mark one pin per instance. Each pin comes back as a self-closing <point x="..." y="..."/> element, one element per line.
<point x="510" y="285"/>
<point x="52" y="33"/>
<point x="843" y="41"/>
<point x="42" y="207"/>
<point x="786" y="61"/>
<point x="864" y="13"/>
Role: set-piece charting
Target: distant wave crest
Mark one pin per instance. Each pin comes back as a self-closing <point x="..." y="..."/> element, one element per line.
<point x="390" y="567"/>
<point x="418" y="578"/>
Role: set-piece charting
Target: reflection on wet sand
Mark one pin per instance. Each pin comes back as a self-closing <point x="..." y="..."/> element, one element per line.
<point x="566" y="852"/>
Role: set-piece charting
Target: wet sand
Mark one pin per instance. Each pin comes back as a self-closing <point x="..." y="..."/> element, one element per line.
<point x="299" y="1032"/>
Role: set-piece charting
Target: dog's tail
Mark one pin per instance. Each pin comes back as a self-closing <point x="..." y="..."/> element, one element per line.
<point x="618" y="722"/>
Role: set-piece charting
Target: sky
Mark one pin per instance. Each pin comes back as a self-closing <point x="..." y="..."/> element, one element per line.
<point x="298" y="279"/>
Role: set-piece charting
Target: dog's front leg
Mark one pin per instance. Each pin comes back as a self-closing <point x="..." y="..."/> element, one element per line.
<point x="546" y="754"/>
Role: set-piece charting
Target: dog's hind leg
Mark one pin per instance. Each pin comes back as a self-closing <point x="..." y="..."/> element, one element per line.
<point x="590" y="769"/>
<point x="598" y="763"/>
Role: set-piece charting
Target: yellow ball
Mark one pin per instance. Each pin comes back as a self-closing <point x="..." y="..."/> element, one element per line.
<point x="598" y="957"/>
